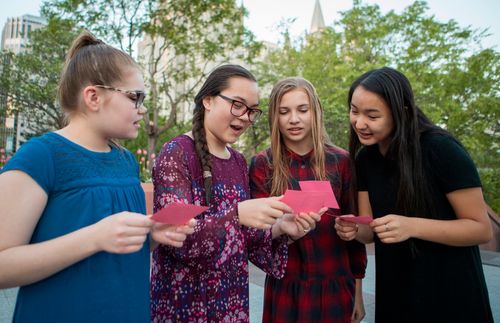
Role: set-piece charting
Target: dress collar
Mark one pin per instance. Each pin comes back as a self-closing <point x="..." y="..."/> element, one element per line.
<point x="293" y="155"/>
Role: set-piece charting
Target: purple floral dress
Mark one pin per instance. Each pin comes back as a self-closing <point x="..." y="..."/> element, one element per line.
<point x="207" y="279"/>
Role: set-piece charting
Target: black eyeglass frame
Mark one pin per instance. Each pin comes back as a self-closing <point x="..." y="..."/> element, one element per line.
<point x="256" y="113"/>
<point x="140" y="95"/>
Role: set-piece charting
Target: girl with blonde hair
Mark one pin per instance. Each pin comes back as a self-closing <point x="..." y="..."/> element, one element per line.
<point x="322" y="281"/>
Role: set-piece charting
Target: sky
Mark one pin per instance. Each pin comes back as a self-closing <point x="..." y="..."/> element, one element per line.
<point x="265" y="15"/>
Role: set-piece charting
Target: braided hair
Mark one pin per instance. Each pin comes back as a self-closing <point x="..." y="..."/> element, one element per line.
<point x="217" y="81"/>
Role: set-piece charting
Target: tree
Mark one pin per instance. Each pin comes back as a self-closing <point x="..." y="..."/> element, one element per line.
<point x="455" y="80"/>
<point x="182" y="41"/>
<point x="29" y="79"/>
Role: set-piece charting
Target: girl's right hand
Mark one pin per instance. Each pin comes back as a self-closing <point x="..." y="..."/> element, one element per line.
<point x="172" y="235"/>
<point x="262" y="213"/>
<point x="123" y="232"/>
<point x="347" y="231"/>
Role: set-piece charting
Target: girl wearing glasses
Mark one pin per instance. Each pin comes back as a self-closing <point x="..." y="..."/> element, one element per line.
<point x="207" y="279"/>
<point x="322" y="282"/>
<point x="425" y="194"/>
<point x="73" y="232"/>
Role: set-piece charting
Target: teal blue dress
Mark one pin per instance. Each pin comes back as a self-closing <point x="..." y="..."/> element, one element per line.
<point x="84" y="187"/>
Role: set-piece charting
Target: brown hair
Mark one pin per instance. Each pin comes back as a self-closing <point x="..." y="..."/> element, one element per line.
<point x="216" y="82"/>
<point x="280" y="161"/>
<point x="90" y="62"/>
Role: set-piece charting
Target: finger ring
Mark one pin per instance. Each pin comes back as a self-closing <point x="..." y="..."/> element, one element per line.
<point x="306" y="230"/>
<point x="386" y="227"/>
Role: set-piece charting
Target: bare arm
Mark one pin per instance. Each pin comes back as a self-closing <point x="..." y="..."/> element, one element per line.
<point x="22" y="202"/>
<point x="471" y="227"/>
<point x="358" y="312"/>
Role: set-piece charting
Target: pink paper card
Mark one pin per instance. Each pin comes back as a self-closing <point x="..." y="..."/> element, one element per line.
<point x="321" y="186"/>
<point x="303" y="201"/>
<point x="178" y="213"/>
<point x="362" y="219"/>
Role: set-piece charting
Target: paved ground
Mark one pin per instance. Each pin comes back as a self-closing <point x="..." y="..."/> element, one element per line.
<point x="491" y="266"/>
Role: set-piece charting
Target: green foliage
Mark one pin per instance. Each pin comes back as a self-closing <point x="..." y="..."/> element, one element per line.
<point x="139" y="146"/>
<point x="181" y="41"/>
<point x="455" y="80"/>
<point x="29" y="80"/>
<point x="141" y="142"/>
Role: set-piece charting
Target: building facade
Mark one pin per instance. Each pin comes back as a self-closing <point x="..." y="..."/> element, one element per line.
<point x="15" y="38"/>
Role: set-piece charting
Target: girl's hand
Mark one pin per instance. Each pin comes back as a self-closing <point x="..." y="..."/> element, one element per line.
<point x="172" y="235"/>
<point x="261" y="213"/>
<point x="392" y="228"/>
<point x="123" y="232"/>
<point x="358" y="312"/>
<point x="347" y="231"/>
<point x="297" y="226"/>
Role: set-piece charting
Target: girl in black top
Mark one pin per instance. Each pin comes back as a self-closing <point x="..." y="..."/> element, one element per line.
<point x="424" y="193"/>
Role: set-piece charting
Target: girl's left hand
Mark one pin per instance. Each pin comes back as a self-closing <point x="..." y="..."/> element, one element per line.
<point x="358" y="312"/>
<point x="297" y="226"/>
<point x="172" y="235"/>
<point x="392" y="228"/>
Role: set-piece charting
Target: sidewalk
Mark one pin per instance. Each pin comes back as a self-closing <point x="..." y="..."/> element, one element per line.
<point x="491" y="266"/>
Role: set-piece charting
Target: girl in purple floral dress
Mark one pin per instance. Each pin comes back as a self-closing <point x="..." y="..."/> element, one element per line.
<point x="207" y="279"/>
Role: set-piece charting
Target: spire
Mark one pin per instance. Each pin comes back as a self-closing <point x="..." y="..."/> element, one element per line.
<point x="317" y="22"/>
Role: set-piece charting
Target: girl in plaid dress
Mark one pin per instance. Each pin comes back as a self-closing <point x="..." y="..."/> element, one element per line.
<point x="322" y="281"/>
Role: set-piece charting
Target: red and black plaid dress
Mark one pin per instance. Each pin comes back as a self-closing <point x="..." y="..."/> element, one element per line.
<point x="319" y="282"/>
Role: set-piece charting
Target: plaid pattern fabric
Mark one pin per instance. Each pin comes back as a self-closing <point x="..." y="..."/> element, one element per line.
<point x="319" y="282"/>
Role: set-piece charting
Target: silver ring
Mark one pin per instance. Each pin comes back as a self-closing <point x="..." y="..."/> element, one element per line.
<point x="305" y="231"/>
<point x="386" y="227"/>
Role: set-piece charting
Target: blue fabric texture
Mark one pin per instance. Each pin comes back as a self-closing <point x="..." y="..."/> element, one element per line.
<point x="84" y="187"/>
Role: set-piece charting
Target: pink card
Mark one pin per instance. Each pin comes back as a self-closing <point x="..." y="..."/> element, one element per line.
<point x="178" y="213"/>
<point x="362" y="219"/>
<point x="321" y="186"/>
<point x="303" y="201"/>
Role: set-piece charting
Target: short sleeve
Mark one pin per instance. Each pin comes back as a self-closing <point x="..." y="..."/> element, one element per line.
<point x="34" y="159"/>
<point x="450" y="164"/>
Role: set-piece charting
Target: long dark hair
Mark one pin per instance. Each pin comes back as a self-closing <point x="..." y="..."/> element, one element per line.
<point x="404" y="148"/>
<point x="217" y="81"/>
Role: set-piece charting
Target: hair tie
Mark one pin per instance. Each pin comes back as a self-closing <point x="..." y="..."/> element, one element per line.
<point x="207" y="174"/>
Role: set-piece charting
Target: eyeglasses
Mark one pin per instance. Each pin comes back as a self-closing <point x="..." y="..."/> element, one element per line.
<point x="134" y="95"/>
<point x="239" y="108"/>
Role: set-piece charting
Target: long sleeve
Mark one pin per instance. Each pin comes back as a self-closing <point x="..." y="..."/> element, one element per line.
<point x="174" y="182"/>
<point x="279" y="246"/>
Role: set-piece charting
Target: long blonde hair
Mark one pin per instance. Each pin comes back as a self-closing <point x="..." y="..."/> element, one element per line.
<point x="280" y="160"/>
